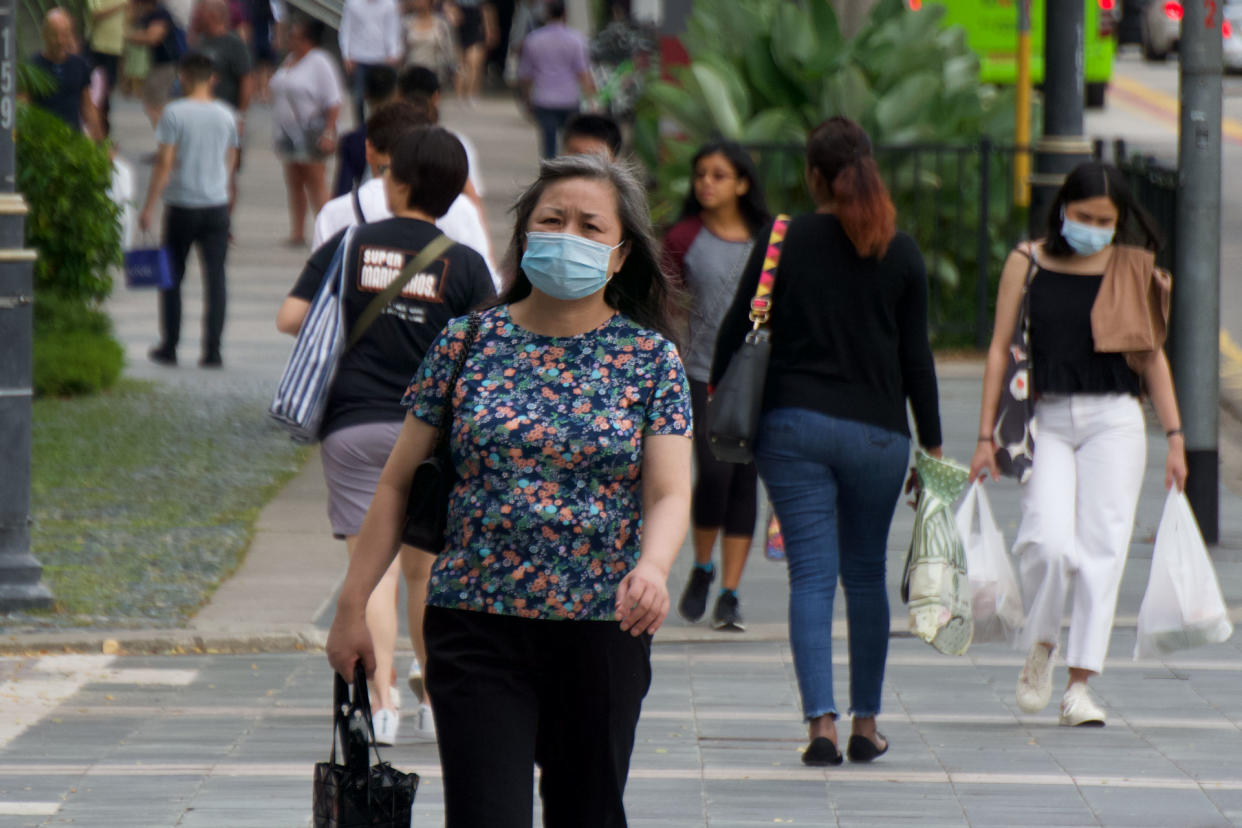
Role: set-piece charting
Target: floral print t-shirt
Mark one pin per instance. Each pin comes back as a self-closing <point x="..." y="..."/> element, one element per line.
<point x="547" y="441"/>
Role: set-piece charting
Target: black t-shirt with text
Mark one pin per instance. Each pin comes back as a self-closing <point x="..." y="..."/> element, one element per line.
<point x="374" y="374"/>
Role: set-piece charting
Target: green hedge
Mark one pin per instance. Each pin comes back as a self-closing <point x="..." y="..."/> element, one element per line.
<point x="74" y="350"/>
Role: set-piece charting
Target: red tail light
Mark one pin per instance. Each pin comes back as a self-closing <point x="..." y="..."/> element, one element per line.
<point x="1226" y="29"/>
<point x="1107" y="17"/>
<point x="1173" y="10"/>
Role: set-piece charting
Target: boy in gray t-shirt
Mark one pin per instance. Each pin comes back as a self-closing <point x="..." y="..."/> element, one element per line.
<point x="198" y="143"/>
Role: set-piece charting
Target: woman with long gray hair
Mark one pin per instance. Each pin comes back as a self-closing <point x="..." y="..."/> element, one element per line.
<point x="570" y="435"/>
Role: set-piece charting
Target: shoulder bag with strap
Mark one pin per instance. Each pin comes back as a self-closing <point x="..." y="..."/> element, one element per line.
<point x="737" y="403"/>
<point x="302" y="393"/>
<point x="1014" y="431"/>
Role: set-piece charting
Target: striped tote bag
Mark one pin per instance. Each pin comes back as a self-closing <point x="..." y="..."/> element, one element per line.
<point x="306" y="381"/>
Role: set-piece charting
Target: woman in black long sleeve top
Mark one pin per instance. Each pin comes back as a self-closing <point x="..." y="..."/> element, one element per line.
<point x="849" y="348"/>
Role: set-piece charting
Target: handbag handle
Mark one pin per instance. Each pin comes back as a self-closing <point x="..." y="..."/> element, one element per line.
<point x="348" y="715"/>
<point x="446" y="417"/>
<point x="761" y="304"/>
<point x="425" y="257"/>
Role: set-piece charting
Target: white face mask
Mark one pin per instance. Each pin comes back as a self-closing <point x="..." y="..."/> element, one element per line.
<point x="566" y="265"/>
<point x="1085" y="239"/>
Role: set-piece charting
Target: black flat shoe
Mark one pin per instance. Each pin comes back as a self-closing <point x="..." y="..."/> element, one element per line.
<point x="821" y="752"/>
<point x="862" y="749"/>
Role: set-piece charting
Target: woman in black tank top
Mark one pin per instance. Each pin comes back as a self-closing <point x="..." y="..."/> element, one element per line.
<point x="1090" y="437"/>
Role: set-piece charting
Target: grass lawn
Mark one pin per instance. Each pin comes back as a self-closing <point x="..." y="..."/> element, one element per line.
<point x="144" y="499"/>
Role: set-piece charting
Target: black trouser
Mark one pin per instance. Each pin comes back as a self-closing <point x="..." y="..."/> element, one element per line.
<point x="551" y="122"/>
<point x="511" y="692"/>
<point x="209" y="228"/>
<point x="724" y="494"/>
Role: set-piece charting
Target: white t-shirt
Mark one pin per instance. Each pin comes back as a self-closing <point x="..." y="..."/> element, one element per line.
<point x="472" y="161"/>
<point x="461" y="223"/>
<point x="302" y="92"/>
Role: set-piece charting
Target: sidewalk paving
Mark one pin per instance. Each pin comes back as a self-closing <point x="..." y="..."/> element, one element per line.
<point x="213" y="739"/>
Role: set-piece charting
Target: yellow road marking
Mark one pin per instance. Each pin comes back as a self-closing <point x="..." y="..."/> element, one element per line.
<point x="1167" y="105"/>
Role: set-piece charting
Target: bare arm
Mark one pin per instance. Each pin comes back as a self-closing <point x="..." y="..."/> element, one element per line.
<point x="99" y="15"/>
<point x="291" y="315"/>
<point x="152" y="35"/>
<point x="377" y="544"/>
<point x="327" y="141"/>
<point x="642" y="597"/>
<point x="244" y="90"/>
<point x="1159" y="381"/>
<point x="90" y="117"/>
<point x="1008" y="304"/>
<point x="587" y="83"/>
<point x="164" y="157"/>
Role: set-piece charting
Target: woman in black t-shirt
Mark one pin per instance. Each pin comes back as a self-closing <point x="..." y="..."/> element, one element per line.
<point x="364" y="412"/>
<point x="1090" y="452"/>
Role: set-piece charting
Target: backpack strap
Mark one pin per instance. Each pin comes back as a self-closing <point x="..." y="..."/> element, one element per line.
<point x="761" y="304"/>
<point x="358" y="214"/>
<point x="425" y="257"/>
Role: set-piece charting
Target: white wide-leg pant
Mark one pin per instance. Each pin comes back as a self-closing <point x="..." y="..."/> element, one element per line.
<point x="1077" y="516"/>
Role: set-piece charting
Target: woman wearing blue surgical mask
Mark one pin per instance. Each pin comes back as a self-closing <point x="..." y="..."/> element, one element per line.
<point x="1079" y="501"/>
<point x="571" y="438"/>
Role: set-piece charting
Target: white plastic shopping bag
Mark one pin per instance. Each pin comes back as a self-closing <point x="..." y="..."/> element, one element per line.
<point x="996" y="599"/>
<point x="1183" y="606"/>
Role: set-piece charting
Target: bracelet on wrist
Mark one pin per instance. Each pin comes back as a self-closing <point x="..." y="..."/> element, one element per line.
<point x="1174" y="432"/>
<point x="983" y="439"/>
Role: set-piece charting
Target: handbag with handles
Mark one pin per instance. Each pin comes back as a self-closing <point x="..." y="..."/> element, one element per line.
<point x="355" y="793"/>
<point x="426" y="509"/>
<point x="306" y="382"/>
<point x="737" y="402"/>
<point x="1014" y="431"/>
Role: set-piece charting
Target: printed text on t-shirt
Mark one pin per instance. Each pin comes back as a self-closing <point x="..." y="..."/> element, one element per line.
<point x="379" y="266"/>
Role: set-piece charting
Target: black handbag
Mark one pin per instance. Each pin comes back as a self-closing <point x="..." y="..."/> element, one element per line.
<point x="357" y="794"/>
<point x="737" y="402"/>
<point x="426" y="509"/>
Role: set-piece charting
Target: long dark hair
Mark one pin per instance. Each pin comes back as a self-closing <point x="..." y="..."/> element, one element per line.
<point x="1134" y="225"/>
<point x="840" y="150"/>
<point x="752" y="203"/>
<point x="640" y="289"/>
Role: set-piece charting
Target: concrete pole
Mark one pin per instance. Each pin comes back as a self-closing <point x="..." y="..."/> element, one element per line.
<point x="1194" y="345"/>
<point x="1062" y="146"/>
<point x="20" y="573"/>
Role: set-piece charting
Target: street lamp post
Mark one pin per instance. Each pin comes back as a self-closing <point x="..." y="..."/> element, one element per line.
<point x="1062" y="146"/>
<point x="1194" y="348"/>
<point x="21" y="586"/>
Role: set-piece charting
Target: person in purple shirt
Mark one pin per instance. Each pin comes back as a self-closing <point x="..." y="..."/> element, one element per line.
<point x="554" y="75"/>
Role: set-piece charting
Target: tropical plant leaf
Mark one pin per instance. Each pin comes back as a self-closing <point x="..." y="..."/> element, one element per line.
<point x="715" y="91"/>
<point x="794" y="42"/>
<point x="907" y="102"/>
<point x="847" y="93"/>
<point x="774" y="125"/>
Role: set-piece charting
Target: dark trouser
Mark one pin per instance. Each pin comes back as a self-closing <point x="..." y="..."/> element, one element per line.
<point x="551" y="122"/>
<point x="725" y="493"/>
<point x="183" y="227"/>
<point x="358" y="88"/>
<point x="511" y="692"/>
<point x="111" y="65"/>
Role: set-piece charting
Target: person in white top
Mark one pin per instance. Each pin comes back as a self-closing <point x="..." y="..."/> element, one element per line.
<point x="388" y="123"/>
<point x="371" y="34"/>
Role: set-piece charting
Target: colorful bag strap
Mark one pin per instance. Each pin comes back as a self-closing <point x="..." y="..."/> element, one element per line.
<point x="761" y="304"/>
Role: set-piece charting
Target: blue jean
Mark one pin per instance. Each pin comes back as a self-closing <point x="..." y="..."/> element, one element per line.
<point x="551" y="122"/>
<point x="834" y="484"/>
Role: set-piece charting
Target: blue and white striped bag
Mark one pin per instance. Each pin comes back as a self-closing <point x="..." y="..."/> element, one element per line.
<point x="306" y="381"/>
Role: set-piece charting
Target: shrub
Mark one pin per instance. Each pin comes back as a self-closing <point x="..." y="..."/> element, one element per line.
<point x="68" y="363"/>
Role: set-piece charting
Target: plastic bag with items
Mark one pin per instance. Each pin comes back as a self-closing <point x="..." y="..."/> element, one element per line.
<point x="996" y="599"/>
<point x="1183" y="606"/>
<point x="935" y="585"/>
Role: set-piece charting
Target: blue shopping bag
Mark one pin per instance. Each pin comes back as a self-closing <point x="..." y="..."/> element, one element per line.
<point x="148" y="267"/>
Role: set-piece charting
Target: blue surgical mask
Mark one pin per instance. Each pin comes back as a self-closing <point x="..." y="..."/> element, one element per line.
<point x="565" y="265"/>
<point x="1084" y="238"/>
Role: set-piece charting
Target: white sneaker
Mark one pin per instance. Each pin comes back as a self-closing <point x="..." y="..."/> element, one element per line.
<point x="426" y="722"/>
<point x="1035" y="682"/>
<point x="1079" y="709"/>
<point x="386" y="722"/>
<point x="415" y="679"/>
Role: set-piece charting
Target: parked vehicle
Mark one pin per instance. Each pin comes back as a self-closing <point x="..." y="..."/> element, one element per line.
<point x="991" y="29"/>
<point x="1162" y="29"/>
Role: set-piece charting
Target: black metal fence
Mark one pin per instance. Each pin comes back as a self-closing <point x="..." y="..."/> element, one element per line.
<point x="956" y="200"/>
<point x="1155" y="186"/>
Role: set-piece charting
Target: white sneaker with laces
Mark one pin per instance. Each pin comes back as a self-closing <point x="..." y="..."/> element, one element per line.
<point x="386" y="722"/>
<point x="1079" y="709"/>
<point x="415" y="679"/>
<point x="426" y="722"/>
<point x="1035" y="682"/>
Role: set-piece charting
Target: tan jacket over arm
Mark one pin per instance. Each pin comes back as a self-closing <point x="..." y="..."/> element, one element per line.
<point x="1131" y="312"/>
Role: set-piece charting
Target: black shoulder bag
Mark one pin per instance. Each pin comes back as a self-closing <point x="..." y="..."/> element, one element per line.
<point x="426" y="510"/>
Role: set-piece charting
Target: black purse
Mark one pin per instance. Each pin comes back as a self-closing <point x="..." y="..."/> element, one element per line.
<point x="426" y="509"/>
<point x="357" y="794"/>
<point x="736" y="404"/>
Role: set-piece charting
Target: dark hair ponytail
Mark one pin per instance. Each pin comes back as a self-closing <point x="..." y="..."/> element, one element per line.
<point x="840" y="151"/>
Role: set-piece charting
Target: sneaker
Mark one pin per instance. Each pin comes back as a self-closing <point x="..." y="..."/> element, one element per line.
<point x="386" y="722"/>
<point x="426" y="722"/>
<point x="728" y="613"/>
<point x="211" y="360"/>
<point x="162" y="355"/>
<point x="415" y="679"/>
<point x="1035" y="682"/>
<point x="1078" y="708"/>
<point x="694" y="599"/>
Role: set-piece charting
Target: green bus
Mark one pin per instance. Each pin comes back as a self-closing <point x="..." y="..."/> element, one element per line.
<point x="992" y="25"/>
